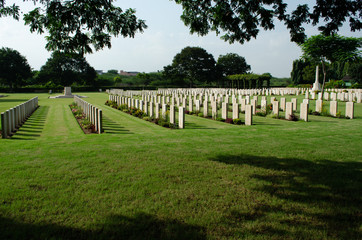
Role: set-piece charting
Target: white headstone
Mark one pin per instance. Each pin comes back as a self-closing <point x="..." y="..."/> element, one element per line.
<point x="304" y="111"/>
<point x="350" y="109"/>
<point x="248" y="115"/>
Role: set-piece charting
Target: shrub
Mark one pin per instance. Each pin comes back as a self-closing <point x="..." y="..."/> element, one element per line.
<point x="86" y="124"/>
<point x="147" y="119"/>
<point x="200" y="114"/>
<point x="229" y="120"/>
<point x="220" y="119"/>
<point x="261" y="113"/>
<point x="237" y="121"/>
<point x="293" y="117"/>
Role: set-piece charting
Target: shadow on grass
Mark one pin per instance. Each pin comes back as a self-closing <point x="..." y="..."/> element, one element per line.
<point x="7" y="100"/>
<point x="189" y="125"/>
<point x="142" y="226"/>
<point x="322" y="196"/>
<point x="34" y="125"/>
<point x="111" y="127"/>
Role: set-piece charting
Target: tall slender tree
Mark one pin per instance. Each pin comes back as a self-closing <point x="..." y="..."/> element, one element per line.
<point x="333" y="48"/>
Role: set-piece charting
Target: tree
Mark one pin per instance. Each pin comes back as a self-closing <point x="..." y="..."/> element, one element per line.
<point x="193" y="65"/>
<point x="113" y="71"/>
<point x="231" y="64"/>
<point x="77" y="26"/>
<point x="333" y="48"/>
<point x="241" y="20"/>
<point x="355" y="71"/>
<point x="67" y="68"/>
<point x="250" y="80"/>
<point x="14" y="68"/>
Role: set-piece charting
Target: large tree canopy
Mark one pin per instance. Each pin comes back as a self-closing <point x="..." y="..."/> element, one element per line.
<point x="67" y="68"/>
<point x="77" y="26"/>
<point x="231" y="64"/>
<point x="14" y="68"/>
<point x="332" y="49"/>
<point x="241" y="20"/>
<point x="193" y="65"/>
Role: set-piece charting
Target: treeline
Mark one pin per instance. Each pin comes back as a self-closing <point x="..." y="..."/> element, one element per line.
<point x="338" y="73"/>
<point x="192" y="67"/>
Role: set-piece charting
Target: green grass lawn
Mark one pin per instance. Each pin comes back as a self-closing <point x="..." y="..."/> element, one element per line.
<point x="273" y="180"/>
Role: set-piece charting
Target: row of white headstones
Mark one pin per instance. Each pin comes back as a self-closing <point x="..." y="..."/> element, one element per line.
<point x="14" y="118"/>
<point x="92" y="113"/>
<point x="151" y="102"/>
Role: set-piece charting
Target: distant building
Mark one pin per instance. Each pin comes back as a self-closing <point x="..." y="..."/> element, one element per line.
<point x="100" y="72"/>
<point x="124" y="73"/>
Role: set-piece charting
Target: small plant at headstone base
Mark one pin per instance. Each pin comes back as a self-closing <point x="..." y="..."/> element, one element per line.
<point x="258" y="106"/>
<point x="293" y="117"/>
<point x="237" y="121"/>
<point x="261" y="113"/>
<point x="122" y="107"/>
<point x="339" y="114"/>
<point x="269" y="108"/>
<point x="200" y="115"/>
<point x="220" y="119"/>
<point x="86" y="124"/>
<point x="187" y="112"/>
<point x="147" y="118"/>
<point x="275" y="116"/>
<point x="310" y="111"/>
<point x="229" y="120"/>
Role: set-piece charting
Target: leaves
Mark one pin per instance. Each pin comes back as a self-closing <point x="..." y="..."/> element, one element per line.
<point x="14" y="68"/>
<point x="232" y="63"/>
<point x="332" y="48"/>
<point x="192" y="65"/>
<point x="83" y="25"/>
<point x="242" y="20"/>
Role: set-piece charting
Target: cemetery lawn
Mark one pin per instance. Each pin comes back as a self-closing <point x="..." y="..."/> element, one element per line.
<point x="273" y="180"/>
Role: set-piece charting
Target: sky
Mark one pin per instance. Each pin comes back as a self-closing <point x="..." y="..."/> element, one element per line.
<point x="165" y="36"/>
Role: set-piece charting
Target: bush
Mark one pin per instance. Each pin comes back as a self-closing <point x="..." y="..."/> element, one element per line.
<point x="200" y="114"/>
<point x="293" y="117"/>
<point x="261" y="113"/>
<point x="237" y="121"/>
<point x="220" y="119"/>
<point x="229" y="120"/>
<point x="86" y="124"/>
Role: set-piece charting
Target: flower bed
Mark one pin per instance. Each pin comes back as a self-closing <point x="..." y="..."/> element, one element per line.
<point x="83" y="122"/>
<point x="142" y="115"/>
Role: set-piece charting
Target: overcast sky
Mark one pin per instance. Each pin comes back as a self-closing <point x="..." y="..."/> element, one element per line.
<point x="165" y="36"/>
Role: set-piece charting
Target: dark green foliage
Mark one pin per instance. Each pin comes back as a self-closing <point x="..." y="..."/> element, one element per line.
<point x="279" y="82"/>
<point x="242" y="20"/>
<point x="231" y="64"/>
<point x="237" y="121"/>
<point x="191" y="67"/>
<point x="331" y="48"/>
<point x="335" y="84"/>
<point x="77" y="26"/>
<point x="66" y="69"/>
<point x="14" y="68"/>
<point x="355" y="71"/>
<point x="113" y="71"/>
<point x="249" y="80"/>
